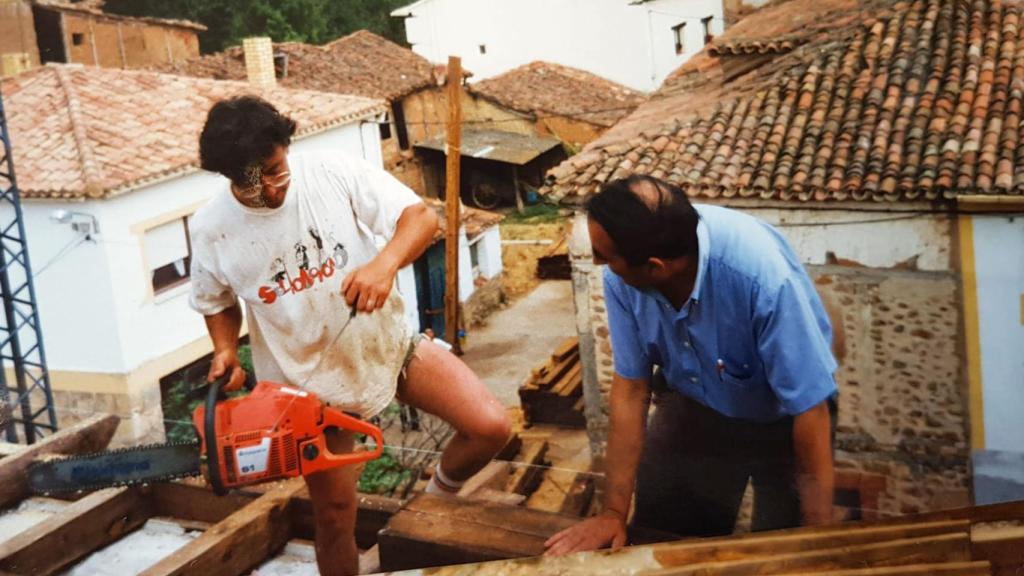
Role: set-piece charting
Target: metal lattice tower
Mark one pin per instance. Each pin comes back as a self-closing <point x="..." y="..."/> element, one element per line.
<point x="28" y="401"/>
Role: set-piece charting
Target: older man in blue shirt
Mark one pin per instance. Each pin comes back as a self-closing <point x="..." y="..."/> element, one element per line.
<point x="711" y="310"/>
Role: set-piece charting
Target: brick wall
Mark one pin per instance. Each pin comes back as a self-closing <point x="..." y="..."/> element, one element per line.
<point x="140" y="412"/>
<point x="114" y="43"/>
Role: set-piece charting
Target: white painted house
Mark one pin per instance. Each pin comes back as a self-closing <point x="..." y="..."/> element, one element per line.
<point x="107" y="164"/>
<point x="633" y="42"/>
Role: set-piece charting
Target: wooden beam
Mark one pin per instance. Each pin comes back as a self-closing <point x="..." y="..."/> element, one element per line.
<point x="437" y="531"/>
<point x="931" y="549"/>
<point x="528" y="471"/>
<point x="762" y="545"/>
<point x="944" y="569"/>
<point x="241" y="541"/>
<point x="75" y="532"/>
<point x="194" y="502"/>
<point x="91" y="435"/>
<point x="494" y="475"/>
<point x="578" y="496"/>
<point x="1003" y="547"/>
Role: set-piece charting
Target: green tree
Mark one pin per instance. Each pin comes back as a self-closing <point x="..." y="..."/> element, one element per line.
<point x="312" y="21"/>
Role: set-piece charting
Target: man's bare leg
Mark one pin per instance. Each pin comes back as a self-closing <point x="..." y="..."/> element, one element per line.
<point x="333" y="495"/>
<point x="438" y="382"/>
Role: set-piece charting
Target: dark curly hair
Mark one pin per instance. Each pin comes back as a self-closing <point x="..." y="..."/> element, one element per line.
<point x="241" y="131"/>
<point x="662" y="227"/>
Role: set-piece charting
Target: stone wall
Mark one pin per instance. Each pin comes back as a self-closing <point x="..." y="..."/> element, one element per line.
<point x="487" y="297"/>
<point x="140" y="412"/>
<point x="903" y="415"/>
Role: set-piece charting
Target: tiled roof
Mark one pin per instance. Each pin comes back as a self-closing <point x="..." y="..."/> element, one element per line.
<point x="882" y="101"/>
<point x="95" y="9"/>
<point x="547" y="89"/>
<point x="361" y="63"/>
<point x="475" y="220"/>
<point x="87" y="132"/>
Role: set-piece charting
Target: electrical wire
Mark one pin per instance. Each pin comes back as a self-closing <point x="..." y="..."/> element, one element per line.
<point x="61" y="254"/>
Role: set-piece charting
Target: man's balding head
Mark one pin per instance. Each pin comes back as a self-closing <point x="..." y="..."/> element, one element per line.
<point x="645" y="218"/>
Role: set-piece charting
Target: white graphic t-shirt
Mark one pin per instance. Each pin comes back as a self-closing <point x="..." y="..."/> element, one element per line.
<point x="287" y="264"/>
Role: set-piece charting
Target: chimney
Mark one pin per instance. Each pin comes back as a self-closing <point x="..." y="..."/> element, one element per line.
<point x="259" y="62"/>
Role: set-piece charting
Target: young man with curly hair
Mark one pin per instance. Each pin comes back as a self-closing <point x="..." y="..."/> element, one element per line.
<point x="292" y="237"/>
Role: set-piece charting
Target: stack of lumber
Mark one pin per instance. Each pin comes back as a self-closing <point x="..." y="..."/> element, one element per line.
<point x="961" y="542"/>
<point x="553" y="393"/>
<point x="555" y="264"/>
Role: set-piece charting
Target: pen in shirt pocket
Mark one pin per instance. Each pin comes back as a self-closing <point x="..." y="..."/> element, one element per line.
<point x="721" y="367"/>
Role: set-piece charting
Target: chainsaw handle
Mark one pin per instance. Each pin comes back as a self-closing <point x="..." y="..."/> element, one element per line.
<point x="324" y="458"/>
<point x="213" y="395"/>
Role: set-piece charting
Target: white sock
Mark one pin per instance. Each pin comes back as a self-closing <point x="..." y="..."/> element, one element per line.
<point x="440" y="483"/>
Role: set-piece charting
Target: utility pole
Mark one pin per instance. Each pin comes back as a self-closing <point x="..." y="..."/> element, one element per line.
<point x="453" y="151"/>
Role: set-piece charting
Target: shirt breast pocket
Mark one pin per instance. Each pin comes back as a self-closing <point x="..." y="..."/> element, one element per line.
<point x="737" y="368"/>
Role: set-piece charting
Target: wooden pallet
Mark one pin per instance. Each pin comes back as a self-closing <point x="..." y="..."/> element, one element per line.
<point x="553" y="392"/>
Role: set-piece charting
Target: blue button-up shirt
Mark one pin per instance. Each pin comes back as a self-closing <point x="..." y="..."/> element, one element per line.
<point x="753" y="341"/>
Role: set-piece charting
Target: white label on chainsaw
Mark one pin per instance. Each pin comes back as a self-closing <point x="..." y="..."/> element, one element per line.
<point x="253" y="459"/>
<point x="298" y="393"/>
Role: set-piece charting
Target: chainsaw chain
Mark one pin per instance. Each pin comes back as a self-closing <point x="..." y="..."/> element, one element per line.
<point x="100" y="486"/>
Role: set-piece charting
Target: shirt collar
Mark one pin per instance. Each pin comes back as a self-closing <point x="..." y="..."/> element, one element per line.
<point x="703" y="255"/>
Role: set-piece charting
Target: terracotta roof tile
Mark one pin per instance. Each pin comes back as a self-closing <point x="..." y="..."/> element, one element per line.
<point x="547" y="89"/>
<point x="361" y="63"/>
<point x="882" y="100"/>
<point x="475" y="220"/>
<point x="86" y="132"/>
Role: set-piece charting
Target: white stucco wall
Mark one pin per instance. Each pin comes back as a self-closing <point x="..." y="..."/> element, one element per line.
<point x="488" y="249"/>
<point x="999" y="279"/>
<point x="872" y="239"/>
<point x="630" y="44"/>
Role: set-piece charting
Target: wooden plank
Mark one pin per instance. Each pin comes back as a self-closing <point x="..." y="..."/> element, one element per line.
<point x="565" y="349"/>
<point x="494" y="475"/>
<point x="453" y="164"/>
<point x="944" y="569"/>
<point x="528" y="471"/>
<point x="438" y="531"/>
<point x="761" y="545"/>
<point x="927" y="550"/>
<point x="557" y="371"/>
<point x="498" y="497"/>
<point x="241" y="541"/>
<point x="90" y="435"/>
<point x="572" y="384"/>
<point x="578" y="496"/>
<point x="511" y="449"/>
<point x="1003" y="548"/>
<point x="513" y="518"/>
<point x="75" y="531"/>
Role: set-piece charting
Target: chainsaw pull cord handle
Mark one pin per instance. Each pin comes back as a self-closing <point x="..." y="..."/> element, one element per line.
<point x="213" y="395"/>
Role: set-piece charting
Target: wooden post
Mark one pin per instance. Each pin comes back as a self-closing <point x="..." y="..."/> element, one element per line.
<point x="515" y="188"/>
<point x="453" y="150"/>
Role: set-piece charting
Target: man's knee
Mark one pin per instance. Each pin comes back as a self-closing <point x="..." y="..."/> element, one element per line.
<point x="494" y="428"/>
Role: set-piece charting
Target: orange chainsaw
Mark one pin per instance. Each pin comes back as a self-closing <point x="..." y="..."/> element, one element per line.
<point x="274" y="432"/>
